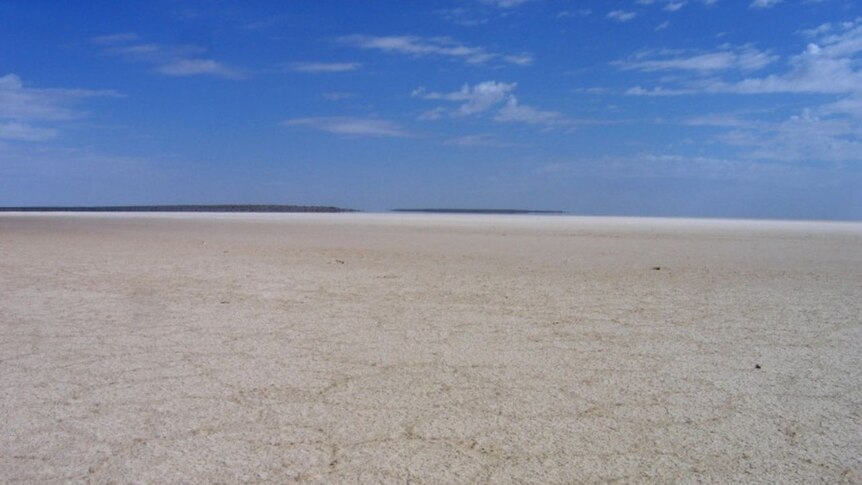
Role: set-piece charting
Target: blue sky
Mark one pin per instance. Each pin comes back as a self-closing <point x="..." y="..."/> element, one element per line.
<point x="712" y="108"/>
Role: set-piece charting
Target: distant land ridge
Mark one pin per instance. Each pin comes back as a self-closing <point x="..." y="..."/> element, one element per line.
<point x="182" y="208"/>
<point x="478" y="211"/>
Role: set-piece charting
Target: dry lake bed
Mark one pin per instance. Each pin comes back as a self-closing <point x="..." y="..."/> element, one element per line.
<point x="375" y="348"/>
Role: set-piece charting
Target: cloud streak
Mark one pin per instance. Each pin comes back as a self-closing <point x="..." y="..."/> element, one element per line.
<point x="487" y="96"/>
<point x="443" y="47"/>
<point x="504" y="3"/>
<point x="177" y="61"/>
<point x="475" y="99"/>
<point x="23" y="109"/>
<point x="482" y="140"/>
<point x="350" y="126"/>
<point x="744" y="58"/>
<point x="621" y="15"/>
<point x="324" y="67"/>
<point x="19" y="102"/>
<point x="25" y="132"/>
<point x="761" y="4"/>
<point x="829" y="65"/>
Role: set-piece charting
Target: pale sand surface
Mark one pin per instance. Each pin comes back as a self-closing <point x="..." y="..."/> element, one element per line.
<point x="362" y="348"/>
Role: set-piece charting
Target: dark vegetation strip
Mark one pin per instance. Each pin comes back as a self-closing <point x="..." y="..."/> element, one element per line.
<point x="182" y="208"/>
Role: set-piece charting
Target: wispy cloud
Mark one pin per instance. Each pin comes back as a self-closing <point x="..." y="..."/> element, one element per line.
<point x="744" y="58"/>
<point x="487" y="96"/>
<point x="658" y="91"/>
<point x="723" y="120"/>
<point x="673" y="165"/>
<point x="22" y="106"/>
<point x="764" y="3"/>
<point x="178" y="60"/>
<point x="337" y="95"/>
<point x="674" y="5"/>
<point x="829" y="65"/>
<point x="349" y="126"/>
<point x="444" y="47"/>
<point x="504" y="3"/>
<point x="19" y="102"/>
<point x="482" y="140"/>
<point x="114" y="39"/>
<point x="465" y="17"/>
<point x="324" y="67"/>
<point x="24" y="132"/>
<point x="621" y="15"/>
<point x="580" y="13"/>
<point x="512" y="111"/>
<point x="804" y="137"/>
<point x="480" y="12"/>
<point x="193" y="67"/>
<point x="475" y="99"/>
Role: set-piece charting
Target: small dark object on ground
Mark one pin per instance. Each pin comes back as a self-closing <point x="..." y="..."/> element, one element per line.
<point x="339" y="261"/>
<point x="224" y="302"/>
<point x="656" y="268"/>
<point x="757" y="366"/>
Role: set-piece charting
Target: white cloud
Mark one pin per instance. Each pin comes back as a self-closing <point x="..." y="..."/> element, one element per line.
<point x="480" y="12"/>
<point x="828" y="66"/>
<point x="483" y="140"/>
<point x="24" y="132"/>
<point x="194" y="67"/>
<point x="674" y="5"/>
<point x="512" y="111"/>
<point x="818" y="31"/>
<point x="433" y="114"/>
<point x="485" y="96"/>
<point x="831" y="64"/>
<point x="466" y="17"/>
<point x="349" y="126"/>
<point x="744" y="58"/>
<point x="723" y="121"/>
<point x="476" y="99"/>
<point x="115" y="38"/>
<point x="830" y="132"/>
<point x="519" y="59"/>
<point x="324" y="67"/>
<point x="804" y="137"/>
<point x="504" y="3"/>
<point x="649" y="165"/>
<point x="22" y="106"/>
<point x="179" y="60"/>
<point x="19" y="102"/>
<point x="584" y="12"/>
<point x="657" y="91"/>
<point x="337" y="95"/>
<point x="764" y="3"/>
<point x="621" y="15"/>
<point x="433" y="47"/>
<point x="851" y="106"/>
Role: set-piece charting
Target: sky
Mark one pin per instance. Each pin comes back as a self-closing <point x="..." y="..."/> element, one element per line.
<point x="682" y="108"/>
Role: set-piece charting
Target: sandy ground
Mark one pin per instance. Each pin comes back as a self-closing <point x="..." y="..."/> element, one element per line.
<point x="361" y="348"/>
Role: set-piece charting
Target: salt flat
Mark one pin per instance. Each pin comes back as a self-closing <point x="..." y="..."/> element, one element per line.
<point x="363" y="348"/>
